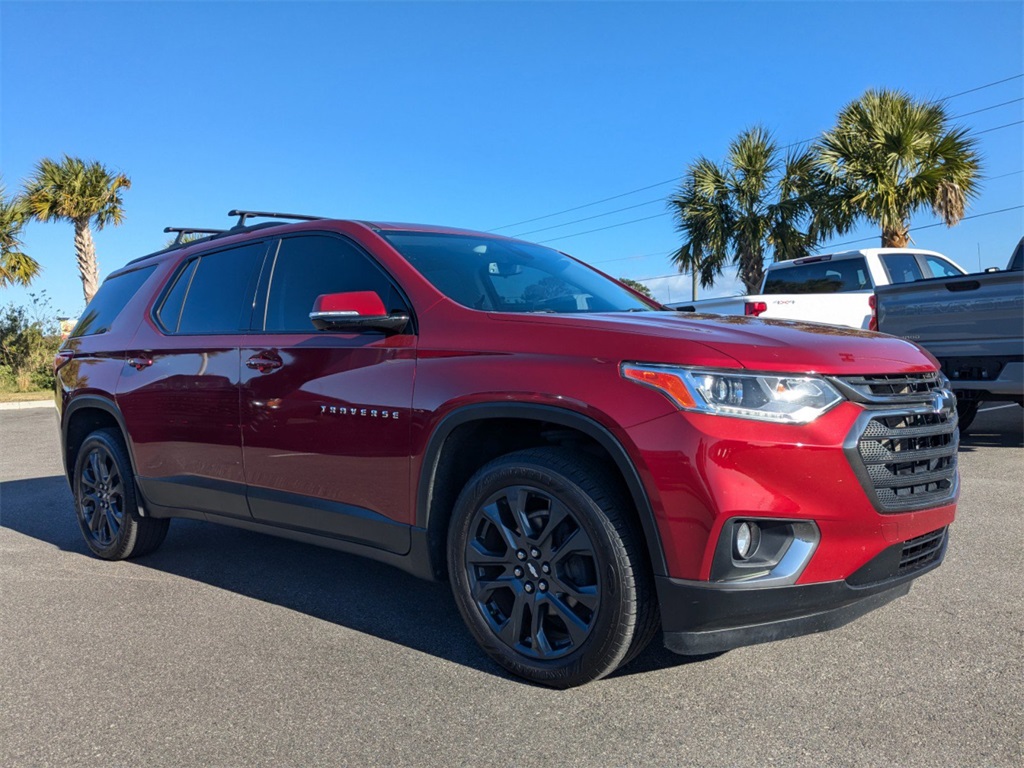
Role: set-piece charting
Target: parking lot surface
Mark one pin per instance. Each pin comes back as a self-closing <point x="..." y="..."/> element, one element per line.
<point x="232" y="648"/>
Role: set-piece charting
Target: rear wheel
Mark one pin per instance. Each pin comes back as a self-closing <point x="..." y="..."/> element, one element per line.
<point x="547" y="569"/>
<point x="106" y="502"/>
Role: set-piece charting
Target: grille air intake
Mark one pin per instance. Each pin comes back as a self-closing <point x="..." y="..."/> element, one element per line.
<point x="904" y="447"/>
<point x="921" y="552"/>
<point x="908" y="387"/>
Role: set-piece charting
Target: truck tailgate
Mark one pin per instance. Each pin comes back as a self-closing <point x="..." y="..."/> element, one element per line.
<point x="962" y="314"/>
<point x="973" y="324"/>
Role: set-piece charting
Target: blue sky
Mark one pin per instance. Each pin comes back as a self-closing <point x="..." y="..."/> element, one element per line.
<point x="476" y="114"/>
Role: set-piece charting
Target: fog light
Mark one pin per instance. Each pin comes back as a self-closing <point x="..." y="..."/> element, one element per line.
<point x="747" y="537"/>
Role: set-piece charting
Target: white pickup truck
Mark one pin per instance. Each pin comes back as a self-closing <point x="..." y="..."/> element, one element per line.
<point x="835" y="288"/>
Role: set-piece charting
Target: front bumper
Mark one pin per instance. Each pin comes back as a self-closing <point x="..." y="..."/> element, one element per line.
<point x="703" y="617"/>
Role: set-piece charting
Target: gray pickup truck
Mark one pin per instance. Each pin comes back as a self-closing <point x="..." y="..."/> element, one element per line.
<point x="973" y="324"/>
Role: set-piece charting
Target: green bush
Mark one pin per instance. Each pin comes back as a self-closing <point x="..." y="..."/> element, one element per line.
<point x="29" y="339"/>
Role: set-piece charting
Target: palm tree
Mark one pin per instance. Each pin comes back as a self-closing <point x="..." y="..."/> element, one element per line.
<point x="702" y="218"/>
<point x="15" y="266"/>
<point x="759" y="203"/>
<point x="83" y="193"/>
<point x="890" y="156"/>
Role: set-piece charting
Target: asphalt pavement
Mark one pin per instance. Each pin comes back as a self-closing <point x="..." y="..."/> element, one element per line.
<point x="231" y="648"/>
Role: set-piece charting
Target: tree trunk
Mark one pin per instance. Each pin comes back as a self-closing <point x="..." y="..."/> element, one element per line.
<point x="895" y="237"/>
<point x="694" y="271"/>
<point x="751" y="272"/>
<point x="85" y="252"/>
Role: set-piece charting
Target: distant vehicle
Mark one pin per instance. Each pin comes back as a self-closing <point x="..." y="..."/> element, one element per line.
<point x="974" y="325"/>
<point x="836" y="288"/>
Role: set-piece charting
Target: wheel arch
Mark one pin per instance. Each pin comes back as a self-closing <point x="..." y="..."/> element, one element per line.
<point x="84" y="415"/>
<point x="435" y="493"/>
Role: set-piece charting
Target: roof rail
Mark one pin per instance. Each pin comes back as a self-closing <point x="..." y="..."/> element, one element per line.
<point x="243" y="215"/>
<point x="183" y="231"/>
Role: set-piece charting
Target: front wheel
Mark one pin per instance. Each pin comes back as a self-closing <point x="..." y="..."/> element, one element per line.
<point x="966" y="411"/>
<point x="106" y="503"/>
<point x="547" y="568"/>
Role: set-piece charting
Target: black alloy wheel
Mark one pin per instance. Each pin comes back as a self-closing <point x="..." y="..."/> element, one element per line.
<point x="547" y="567"/>
<point x="533" y="572"/>
<point x="101" y="496"/>
<point x="106" y="500"/>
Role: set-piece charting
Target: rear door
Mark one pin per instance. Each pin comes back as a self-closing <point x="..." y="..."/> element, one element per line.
<point x="179" y="390"/>
<point x="325" y="414"/>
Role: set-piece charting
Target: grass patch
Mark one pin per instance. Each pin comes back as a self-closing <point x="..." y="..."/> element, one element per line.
<point x="21" y="397"/>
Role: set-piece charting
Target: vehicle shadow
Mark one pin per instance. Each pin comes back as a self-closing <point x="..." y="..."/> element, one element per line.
<point x="1001" y="427"/>
<point x="342" y="589"/>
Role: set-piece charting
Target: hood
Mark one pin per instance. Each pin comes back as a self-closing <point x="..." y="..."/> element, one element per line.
<point x="761" y="345"/>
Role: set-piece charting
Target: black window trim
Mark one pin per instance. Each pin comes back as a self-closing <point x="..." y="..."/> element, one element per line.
<point x="192" y="258"/>
<point x="261" y="303"/>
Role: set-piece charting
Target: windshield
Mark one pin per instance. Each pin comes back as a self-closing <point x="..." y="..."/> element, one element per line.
<point x="498" y="275"/>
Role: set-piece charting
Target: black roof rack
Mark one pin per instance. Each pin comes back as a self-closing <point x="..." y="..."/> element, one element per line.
<point x="183" y="231"/>
<point x="216" y="234"/>
<point x="243" y="215"/>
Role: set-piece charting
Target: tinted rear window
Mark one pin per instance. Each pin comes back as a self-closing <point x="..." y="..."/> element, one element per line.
<point x="820" y="277"/>
<point x="170" y="310"/>
<point x="109" y="300"/>
<point x="220" y="295"/>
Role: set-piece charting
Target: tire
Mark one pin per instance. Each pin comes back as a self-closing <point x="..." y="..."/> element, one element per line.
<point x="106" y="502"/>
<point x="966" y="411"/>
<point x="547" y="568"/>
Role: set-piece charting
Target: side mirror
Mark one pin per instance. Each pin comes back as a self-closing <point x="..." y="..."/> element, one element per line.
<point x="355" y="311"/>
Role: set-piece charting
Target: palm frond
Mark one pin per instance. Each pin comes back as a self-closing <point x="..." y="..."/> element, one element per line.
<point x="75" y="190"/>
<point x="890" y="156"/>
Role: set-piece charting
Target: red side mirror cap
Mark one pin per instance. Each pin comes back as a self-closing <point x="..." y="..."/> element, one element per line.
<point x="354" y="303"/>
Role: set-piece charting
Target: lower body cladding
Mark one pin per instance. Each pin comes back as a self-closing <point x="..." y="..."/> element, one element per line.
<point x="710" y="617"/>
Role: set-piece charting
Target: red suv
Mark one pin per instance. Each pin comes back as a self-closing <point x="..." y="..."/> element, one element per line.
<point x="584" y="466"/>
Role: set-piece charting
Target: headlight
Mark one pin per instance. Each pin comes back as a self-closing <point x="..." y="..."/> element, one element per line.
<point x="765" y="397"/>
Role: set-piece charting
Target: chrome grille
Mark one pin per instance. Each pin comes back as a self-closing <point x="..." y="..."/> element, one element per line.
<point x="904" y="446"/>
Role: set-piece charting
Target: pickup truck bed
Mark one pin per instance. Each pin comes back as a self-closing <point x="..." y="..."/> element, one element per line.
<point x="850" y="309"/>
<point x="833" y="288"/>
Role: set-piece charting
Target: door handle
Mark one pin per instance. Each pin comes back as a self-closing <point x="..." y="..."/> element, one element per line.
<point x="138" y="363"/>
<point x="262" y="364"/>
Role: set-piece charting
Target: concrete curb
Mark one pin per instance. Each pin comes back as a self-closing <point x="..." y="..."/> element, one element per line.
<point x="18" y="405"/>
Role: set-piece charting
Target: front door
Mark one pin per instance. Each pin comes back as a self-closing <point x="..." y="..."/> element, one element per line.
<point x="326" y="415"/>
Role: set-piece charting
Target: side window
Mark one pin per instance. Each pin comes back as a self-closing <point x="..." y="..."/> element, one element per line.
<point x="941" y="267"/>
<point x="219" y="296"/>
<point x="902" y="267"/>
<point x="109" y="300"/>
<point x="170" y="310"/>
<point x="308" y="266"/>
